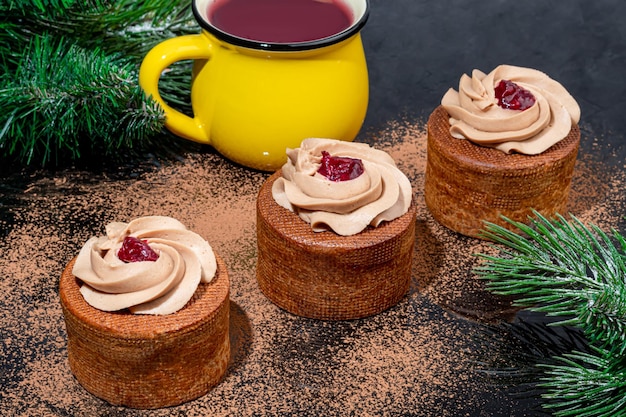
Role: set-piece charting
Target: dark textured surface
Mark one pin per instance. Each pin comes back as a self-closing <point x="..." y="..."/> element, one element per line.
<point x="416" y="50"/>
<point x="410" y="361"/>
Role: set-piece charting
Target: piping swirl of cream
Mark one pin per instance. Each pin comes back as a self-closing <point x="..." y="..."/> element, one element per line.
<point x="156" y="287"/>
<point x="381" y="193"/>
<point x="476" y="116"/>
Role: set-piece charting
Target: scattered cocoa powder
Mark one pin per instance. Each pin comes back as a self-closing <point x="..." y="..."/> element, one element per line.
<point x="415" y="359"/>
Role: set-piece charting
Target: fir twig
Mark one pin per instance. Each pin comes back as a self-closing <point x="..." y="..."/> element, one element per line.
<point x="64" y="99"/>
<point x="577" y="273"/>
<point x="563" y="269"/>
<point x="68" y="76"/>
<point x="125" y="26"/>
<point x="585" y="385"/>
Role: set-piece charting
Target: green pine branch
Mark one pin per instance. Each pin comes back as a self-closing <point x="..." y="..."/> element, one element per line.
<point x="69" y="76"/>
<point x="563" y="269"/>
<point x="62" y="100"/>
<point x="578" y="274"/>
<point x="585" y="385"/>
<point x="114" y="26"/>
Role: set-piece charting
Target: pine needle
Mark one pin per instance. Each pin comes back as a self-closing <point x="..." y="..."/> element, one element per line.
<point x="585" y="385"/>
<point x="125" y="26"/>
<point x="578" y="273"/>
<point x="69" y="77"/>
<point x="563" y="269"/>
<point x="63" y="99"/>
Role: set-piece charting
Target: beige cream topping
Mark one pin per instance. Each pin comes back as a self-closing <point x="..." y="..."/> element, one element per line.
<point x="157" y="287"/>
<point x="476" y="116"/>
<point x="381" y="193"/>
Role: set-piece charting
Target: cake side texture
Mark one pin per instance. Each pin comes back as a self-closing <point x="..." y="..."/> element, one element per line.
<point x="149" y="361"/>
<point x="467" y="184"/>
<point x="326" y="276"/>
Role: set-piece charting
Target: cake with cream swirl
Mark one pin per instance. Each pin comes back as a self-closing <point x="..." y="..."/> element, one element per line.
<point x="335" y="231"/>
<point x="504" y="144"/>
<point x="146" y="308"/>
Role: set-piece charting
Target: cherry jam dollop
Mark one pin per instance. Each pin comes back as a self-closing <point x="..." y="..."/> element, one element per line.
<point x="512" y="96"/>
<point x="340" y="168"/>
<point x="136" y="250"/>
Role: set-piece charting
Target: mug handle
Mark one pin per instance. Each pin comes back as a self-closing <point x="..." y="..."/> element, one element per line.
<point x="155" y="62"/>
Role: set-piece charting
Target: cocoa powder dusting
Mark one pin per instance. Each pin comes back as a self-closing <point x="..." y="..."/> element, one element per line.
<point x="417" y="358"/>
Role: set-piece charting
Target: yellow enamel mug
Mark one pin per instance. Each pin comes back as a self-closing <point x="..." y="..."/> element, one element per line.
<point x="251" y="100"/>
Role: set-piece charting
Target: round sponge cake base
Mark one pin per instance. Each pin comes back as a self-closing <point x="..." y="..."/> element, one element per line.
<point x="325" y="276"/>
<point x="148" y="361"/>
<point x="467" y="184"/>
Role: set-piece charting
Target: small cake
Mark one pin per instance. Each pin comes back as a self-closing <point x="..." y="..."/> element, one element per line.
<point x="504" y="144"/>
<point x="146" y="310"/>
<point x="335" y="231"/>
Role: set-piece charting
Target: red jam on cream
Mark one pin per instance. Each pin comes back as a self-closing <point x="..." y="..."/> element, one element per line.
<point x="371" y="191"/>
<point x="513" y="109"/>
<point x="140" y="281"/>
<point x="512" y="96"/>
<point x="136" y="250"/>
<point x="340" y="168"/>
